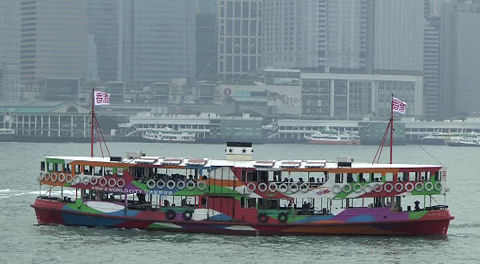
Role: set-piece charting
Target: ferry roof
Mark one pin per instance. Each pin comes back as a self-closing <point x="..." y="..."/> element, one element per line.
<point x="276" y="164"/>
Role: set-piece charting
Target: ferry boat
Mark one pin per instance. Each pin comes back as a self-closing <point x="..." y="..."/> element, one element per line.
<point x="471" y="140"/>
<point x="168" y="135"/>
<point x="7" y="134"/>
<point x="333" y="137"/>
<point x="238" y="195"/>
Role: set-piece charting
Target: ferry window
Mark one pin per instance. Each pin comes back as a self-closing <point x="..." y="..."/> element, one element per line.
<point x="350" y="177"/>
<point x="108" y="171"/>
<point x="42" y="165"/>
<point x="377" y="177"/>
<point x="251" y="176"/>
<point x="427" y="175"/>
<point x="204" y="201"/>
<point x="363" y="177"/>
<point x="261" y="203"/>
<point x="317" y="176"/>
<point x="412" y="176"/>
<point x="244" y="175"/>
<point x="437" y="176"/>
<point x="87" y="170"/>
<point x="67" y="168"/>
<point x="389" y="176"/>
<point x="251" y="203"/>
<point x="338" y="178"/>
<point x="118" y="171"/>
<point x="98" y="171"/>
<point x="298" y="176"/>
<point x="277" y="175"/>
<point x="422" y="175"/>
<point x="55" y="166"/>
<point x="78" y="169"/>
<point x="49" y="166"/>
<point x="402" y="176"/>
<point x="262" y="176"/>
<point x="242" y="202"/>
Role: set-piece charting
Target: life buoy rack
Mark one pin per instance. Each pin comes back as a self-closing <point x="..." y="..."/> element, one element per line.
<point x="120" y="183"/>
<point x="262" y="187"/>
<point x="85" y="180"/>
<point x="171" y="184"/>
<point x="378" y="188"/>
<point x="304" y="187"/>
<point x="429" y="186"/>
<point x="282" y="217"/>
<point x="438" y="186"/>
<point x="409" y="186"/>
<point x="336" y="189"/>
<point x="418" y="186"/>
<point x="112" y="182"/>
<point x="398" y="187"/>
<point x="272" y="187"/>
<point x="190" y="185"/>
<point x="69" y="178"/>
<point x="201" y="186"/>
<point x="347" y="188"/>
<point x="388" y="187"/>
<point x="251" y="187"/>
<point x="262" y="218"/>
<point x="93" y="181"/>
<point x="53" y="177"/>
<point x="61" y="178"/>
<point x="103" y="181"/>
<point x="357" y="187"/>
<point x="367" y="188"/>
<point x="283" y="188"/>
<point x="187" y="215"/>
<point x="293" y="187"/>
<point x="151" y="184"/>
<point x="170" y="214"/>
<point x="180" y="185"/>
<point x="160" y="184"/>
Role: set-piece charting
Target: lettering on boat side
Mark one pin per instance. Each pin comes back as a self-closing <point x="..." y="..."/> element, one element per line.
<point x="126" y="190"/>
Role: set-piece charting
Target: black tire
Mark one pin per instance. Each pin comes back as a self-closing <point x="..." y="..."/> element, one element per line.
<point x="262" y="218"/>
<point x="282" y="217"/>
<point x="170" y="214"/>
<point x="187" y="215"/>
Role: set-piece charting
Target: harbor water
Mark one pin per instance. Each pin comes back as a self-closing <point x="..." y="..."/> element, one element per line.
<point x="23" y="241"/>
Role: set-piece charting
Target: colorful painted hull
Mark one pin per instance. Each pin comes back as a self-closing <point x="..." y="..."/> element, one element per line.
<point x="351" y="221"/>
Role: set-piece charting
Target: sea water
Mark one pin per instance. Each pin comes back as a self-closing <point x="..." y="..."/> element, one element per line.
<point x="23" y="241"/>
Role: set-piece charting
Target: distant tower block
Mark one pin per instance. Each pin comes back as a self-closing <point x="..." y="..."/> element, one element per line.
<point x="239" y="151"/>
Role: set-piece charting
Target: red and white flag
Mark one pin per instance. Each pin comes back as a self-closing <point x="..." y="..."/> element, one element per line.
<point x="398" y="105"/>
<point x="101" y="98"/>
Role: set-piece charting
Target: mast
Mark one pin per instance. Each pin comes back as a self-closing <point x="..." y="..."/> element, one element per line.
<point x="391" y="131"/>
<point x="92" y="120"/>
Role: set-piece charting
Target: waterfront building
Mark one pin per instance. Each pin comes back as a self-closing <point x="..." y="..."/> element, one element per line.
<point x="239" y="39"/>
<point x="158" y="40"/>
<point x="54" y="41"/>
<point x="9" y="51"/>
<point x="355" y="96"/>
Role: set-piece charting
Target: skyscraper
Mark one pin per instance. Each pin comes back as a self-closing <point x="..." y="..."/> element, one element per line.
<point x="206" y="40"/>
<point x="54" y="41"/>
<point x="239" y="38"/>
<point x="158" y="40"/>
<point x="9" y="51"/>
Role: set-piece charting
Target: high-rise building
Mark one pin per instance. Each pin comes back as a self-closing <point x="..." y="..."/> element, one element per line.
<point x="239" y="38"/>
<point x="103" y="24"/>
<point x="158" y="40"/>
<point x="206" y="40"/>
<point x="54" y="41"/>
<point x="431" y="68"/>
<point x="9" y="51"/>
<point x="460" y="56"/>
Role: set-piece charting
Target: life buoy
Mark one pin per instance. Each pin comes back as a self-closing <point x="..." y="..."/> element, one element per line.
<point x="151" y="184"/>
<point x="120" y="183"/>
<point x="160" y="184"/>
<point x="438" y="186"/>
<point x="93" y="180"/>
<point x="41" y="177"/>
<point x="262" y="187"/>
<point x="388" y="187"/>
<point x="418" y="186"/>
<point x="69" y="178"/>
<point x="53" y="177"/>
<point x="201" y="186"/>
<point x="399" y="187"/>
<point x="85" y="180"/>
<point x="180" y="185"/>
<point x="103" y="181"/>
<point x="378" y="188"/>
<point x="170" y="214"/>
<point x="367" y="188"/>
<point x="357" y="187"/>
<point x="272" y="187"/>
<point x="112" y="182"/>
<point x="283" y="188"/>
<point x="347" y="188"/>
<point x="409" y="186"/>
<point x="336" y="189"/>
<point x="77" y="180"/>
<point x="251" y="187"/>
<point x="282" y="217"/>
<point x="170" y="184"/>
<point x="47" y="176"/>
<point x="429" y="186"/>
<point x="304" y="187"/>
<point x="262" y="218"/>
<point x="187" y="215"/>
<point x="61" y="177"/>
<point x="293" y="187"/>
<point x="190" y="185"/>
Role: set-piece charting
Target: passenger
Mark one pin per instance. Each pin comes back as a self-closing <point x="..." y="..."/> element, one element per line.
<point x="166" y="202"/>
<point x="112" y="197"/>
<point x="290" y="204"/>
<point x="291" y="179"/>
<point x="417" y="206"/>
<point x="141" y="197"/>
<point x="184" y="202"/>
<point x="204" y="177"/>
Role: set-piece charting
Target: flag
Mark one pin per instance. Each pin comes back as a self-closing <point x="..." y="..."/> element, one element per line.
<point x="101" y="98"/>
<point x="398" y="105"/>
